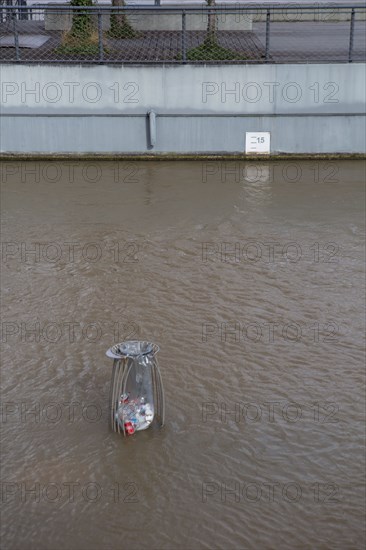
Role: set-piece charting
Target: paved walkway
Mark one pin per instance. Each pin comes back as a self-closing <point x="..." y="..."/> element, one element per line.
<point x="313" y="41"/>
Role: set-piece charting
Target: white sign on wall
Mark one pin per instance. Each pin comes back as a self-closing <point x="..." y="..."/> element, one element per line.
<point x="258" y="142"/>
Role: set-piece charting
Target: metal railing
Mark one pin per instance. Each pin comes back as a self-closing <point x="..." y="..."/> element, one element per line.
<point x="173" y="34"/>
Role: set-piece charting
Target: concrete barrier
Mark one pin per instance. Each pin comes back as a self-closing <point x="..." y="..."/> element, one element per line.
<point x="243" y="20"/>
<point x="307" y="108"/>
<point x="157" y="21"/>
<point x="62" y="20"/>
<point x="291" y="14"/>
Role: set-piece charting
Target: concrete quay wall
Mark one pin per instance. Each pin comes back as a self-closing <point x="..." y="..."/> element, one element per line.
<point x="185" y="109"/>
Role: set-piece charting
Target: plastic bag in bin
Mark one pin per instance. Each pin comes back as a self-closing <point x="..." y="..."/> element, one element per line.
<point x="136" y="394"/>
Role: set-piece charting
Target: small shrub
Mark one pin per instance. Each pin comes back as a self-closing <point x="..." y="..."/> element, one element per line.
<point x="121" y="28"/>
<point x="212" y="51"/>
<point x="74" y="46"/>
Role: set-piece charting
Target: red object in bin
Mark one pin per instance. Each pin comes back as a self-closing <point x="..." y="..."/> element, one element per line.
<point x="129" y="428"/>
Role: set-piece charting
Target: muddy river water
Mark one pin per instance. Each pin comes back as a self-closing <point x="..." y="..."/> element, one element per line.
<point x="250" y="277"/>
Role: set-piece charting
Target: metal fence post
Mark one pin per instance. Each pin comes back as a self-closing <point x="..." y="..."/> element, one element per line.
<point x="184" y="45"/>
<point x="100" y="36"/>
<point x="16" y="37"/>
<point x="268" y="22"/>
<point x="351" y="35"/>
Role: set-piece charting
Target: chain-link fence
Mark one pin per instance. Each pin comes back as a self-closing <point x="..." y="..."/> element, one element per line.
<point x="167" y="34"/>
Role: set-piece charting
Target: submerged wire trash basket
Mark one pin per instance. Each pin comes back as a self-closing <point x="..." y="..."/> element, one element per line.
<point x="136" y="394"/>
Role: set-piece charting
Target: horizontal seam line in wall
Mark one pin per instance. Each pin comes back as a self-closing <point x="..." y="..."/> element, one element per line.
<point x="208" y="115"/>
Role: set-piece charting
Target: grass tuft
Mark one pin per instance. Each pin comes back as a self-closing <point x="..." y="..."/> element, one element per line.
<point x="75" y="45"/>
<point x="212" y="51"/>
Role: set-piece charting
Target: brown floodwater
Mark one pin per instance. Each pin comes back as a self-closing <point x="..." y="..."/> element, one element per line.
<point x="250" y="277"/>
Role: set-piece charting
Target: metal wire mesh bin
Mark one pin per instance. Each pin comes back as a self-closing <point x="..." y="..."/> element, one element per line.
<point x="136" y="394"/>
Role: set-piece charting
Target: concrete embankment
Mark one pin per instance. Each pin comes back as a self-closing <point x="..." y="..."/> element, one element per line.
<point x="194" y="110"/>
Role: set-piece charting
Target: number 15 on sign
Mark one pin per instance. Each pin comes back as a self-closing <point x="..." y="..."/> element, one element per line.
<point x="258" y="142"/>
